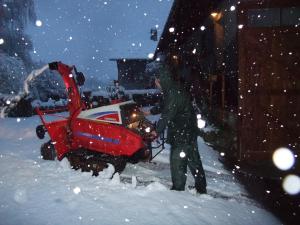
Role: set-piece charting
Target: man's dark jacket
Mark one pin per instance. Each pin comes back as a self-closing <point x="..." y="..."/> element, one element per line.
<point x="177" y="112"/>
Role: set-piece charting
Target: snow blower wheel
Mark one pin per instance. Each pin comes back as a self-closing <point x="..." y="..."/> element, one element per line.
<point x="88" y="161"/>
<point x="48" y="151"/>
<point x="40" y="131"/>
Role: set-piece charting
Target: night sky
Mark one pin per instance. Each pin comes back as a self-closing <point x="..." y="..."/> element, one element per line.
<point x="88" y="33"/>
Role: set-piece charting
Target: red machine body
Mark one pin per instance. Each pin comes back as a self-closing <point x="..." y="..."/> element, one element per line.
<point x="113" y="130"/>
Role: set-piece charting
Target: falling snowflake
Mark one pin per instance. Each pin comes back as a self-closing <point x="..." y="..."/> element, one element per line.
<point x="150" y="55"/>
<point x="283" y="158"/>
<point x="240" y="26"/>
<point x="291" y="184"/>
<point x="38" y="23"/>
<point x="171" y="29"/>
<point x="76" y="190"/>
<point x="182" y="154"/>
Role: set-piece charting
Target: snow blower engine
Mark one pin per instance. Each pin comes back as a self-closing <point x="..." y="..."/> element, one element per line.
<point x="92" y="138"/>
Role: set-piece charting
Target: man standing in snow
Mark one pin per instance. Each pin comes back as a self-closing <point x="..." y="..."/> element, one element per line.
<point x="178" y="115"/>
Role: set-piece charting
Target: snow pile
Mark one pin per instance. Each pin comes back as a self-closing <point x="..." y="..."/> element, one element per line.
<point x="38" y="192"/>
<point x="142" y="91"/>
<point x="50" y="102"/>
<point x="105" y="93"/>
<point x="33" y="75"/>
<point x="13" y="100"/>
<point x="10" y="101"/>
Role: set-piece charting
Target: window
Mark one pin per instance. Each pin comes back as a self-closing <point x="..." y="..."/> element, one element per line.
<point x="264" y="17"/>
<point x="290" y="16"/>
<point x="272" y="17"/>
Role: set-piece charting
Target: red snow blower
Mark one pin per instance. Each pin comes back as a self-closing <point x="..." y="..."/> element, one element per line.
<point x="92" y="138"/>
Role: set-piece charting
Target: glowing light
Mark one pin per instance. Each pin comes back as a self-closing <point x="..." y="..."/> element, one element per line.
<point x="222" y="154"/>
<point x="150" y="55"/>
<point x="1" y="41"/>
<point x="8" y="102"/>
<point x="291" y="184"/>
<point x="18" y="120"/>
<point x="232" y="8"/>
<point x="182" y="154"/>
<point x="283" y="158"/>
<point x="148" y="129"/>
<point x="38" y="23"/>
<point x="198" y="116"/>
<point x="216" y="16"/>
<point x="76" y="190"/>
<point x="194" y="51"/>
<point x="202" y="28"/>
<point x="171" y="29"/>
<point x="134" y="115"/>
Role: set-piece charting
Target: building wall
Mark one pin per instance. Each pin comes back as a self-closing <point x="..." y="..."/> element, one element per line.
<point x="132" y="74"/>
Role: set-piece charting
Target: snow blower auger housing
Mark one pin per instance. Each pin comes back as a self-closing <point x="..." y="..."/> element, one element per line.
<point x="90" y="139"/>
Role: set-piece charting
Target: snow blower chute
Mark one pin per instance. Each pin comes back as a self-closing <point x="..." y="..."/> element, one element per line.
<point x="92" y="138"/>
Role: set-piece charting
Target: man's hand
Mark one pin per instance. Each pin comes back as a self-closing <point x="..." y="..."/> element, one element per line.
<point x="146" y="113"/>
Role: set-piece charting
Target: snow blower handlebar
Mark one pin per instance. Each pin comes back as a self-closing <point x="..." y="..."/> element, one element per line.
<point x="160" y="145"/>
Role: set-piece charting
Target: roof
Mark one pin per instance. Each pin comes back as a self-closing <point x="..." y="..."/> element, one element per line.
<point x="129" y="59"/>
<point x="184" y="18"/>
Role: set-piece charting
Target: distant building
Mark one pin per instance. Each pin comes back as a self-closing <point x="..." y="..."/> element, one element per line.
<point x="132" y="73"/>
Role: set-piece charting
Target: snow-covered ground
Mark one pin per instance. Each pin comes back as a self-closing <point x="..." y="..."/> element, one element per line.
<point x="34" y="191"/>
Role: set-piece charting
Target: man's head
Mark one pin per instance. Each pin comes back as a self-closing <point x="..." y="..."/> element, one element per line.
<point x="160" y="57"/>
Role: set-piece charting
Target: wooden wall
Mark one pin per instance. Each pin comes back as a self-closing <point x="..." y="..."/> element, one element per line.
<point x="269" y="81"/>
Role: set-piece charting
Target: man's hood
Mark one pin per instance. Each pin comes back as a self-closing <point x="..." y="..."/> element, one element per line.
<point x="166" y="82"/>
